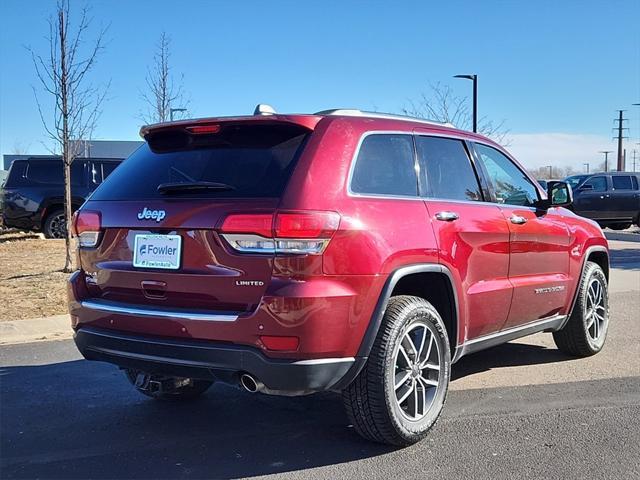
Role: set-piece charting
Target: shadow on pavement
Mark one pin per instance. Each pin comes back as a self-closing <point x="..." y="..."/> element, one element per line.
<point x="625" y="259"/>
<point x="507" y="355"/>
<point x="83" y="420"/>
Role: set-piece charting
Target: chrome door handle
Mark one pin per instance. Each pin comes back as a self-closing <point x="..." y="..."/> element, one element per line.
<point x="446" y="216"/>
<point x="518" y="220"/>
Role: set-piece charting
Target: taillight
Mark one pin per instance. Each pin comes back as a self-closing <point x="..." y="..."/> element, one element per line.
<point x="306" y="224"/>
<point x="86" y="226"/>
<point x="285" y="232"/>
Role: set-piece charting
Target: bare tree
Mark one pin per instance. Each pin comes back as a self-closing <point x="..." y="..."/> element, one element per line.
<point x="557" y="172"/>
<point x="63" y="75"/>
<point x="443" y="105"/>
<point x="163" y="92"/>
<point x="19" y="148"/>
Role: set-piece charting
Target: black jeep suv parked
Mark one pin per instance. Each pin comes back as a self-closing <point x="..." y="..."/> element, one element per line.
<point x="612" y="199"/>
<point x="33" y="194"/>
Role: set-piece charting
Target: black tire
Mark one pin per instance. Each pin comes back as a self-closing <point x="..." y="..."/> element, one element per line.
<point x="371" y="400"/>
<point x="580" y="336"/>
<point x="54" y="225"/>
<point x="619" y="226"/>
<point x="166" y="388"/>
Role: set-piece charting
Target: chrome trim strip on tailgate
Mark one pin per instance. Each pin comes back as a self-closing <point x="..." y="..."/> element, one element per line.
<point x="123" y="308"/>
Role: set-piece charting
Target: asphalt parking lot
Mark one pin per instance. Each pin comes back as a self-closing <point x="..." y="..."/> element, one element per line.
<point x="521" y="410"/>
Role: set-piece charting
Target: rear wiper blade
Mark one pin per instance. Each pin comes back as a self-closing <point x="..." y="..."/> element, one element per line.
<point x="191" y="186"/>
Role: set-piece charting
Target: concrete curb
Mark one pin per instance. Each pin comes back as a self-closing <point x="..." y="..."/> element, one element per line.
<point x="57" y="327"/>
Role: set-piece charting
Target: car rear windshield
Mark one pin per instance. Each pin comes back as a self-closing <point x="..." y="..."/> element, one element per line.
<point x="236" y="161"/>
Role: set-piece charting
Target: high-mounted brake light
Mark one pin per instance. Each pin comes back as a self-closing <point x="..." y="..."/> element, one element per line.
<point x="203" y="129"/>
<point x="306" y="232"/>
<point x="86" y="226"/>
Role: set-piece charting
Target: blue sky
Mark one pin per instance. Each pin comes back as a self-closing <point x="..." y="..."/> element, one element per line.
<point x="554" y="71"/>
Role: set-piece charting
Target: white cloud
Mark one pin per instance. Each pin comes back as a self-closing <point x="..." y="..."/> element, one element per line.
<point x="535" y="150"/>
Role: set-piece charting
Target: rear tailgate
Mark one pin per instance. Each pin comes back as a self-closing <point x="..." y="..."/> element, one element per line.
<point x="208" y="270"/>
<point x="229" y="167"/>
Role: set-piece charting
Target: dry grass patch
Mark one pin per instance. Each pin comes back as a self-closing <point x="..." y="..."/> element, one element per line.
<point x="32" y="283"/>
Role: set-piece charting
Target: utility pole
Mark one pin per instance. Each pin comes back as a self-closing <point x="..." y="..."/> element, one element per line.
<point x="634" y="159"/>
<point x="606" y="159"/>
<point x="587" y="166"/>
<point x="620" y="129"/>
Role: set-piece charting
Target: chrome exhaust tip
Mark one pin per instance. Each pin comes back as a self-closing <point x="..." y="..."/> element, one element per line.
<point x="251" y="384"/>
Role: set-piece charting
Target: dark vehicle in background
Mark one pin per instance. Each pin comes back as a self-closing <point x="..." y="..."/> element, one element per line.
<point x="612" y="199"/>
<point x="33" y="193"/>
<point x="575" y="180"/>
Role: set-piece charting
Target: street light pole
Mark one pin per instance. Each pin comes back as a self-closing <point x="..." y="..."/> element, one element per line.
<point x="171" y="110"/>
<point x="606" y="159"/>
<point x="474" y="78"/>
<point x="586" y="165"/>
<point x="550" y="171"/>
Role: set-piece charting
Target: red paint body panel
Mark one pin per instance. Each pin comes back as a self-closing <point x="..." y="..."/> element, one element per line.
<point x="328" y="300"/>
<point x="475" y="248"/>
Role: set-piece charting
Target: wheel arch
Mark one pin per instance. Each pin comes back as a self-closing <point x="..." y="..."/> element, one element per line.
<point x="431" y="281"/>
<point x="598" y="254"/>
<point x="55" y="204"/>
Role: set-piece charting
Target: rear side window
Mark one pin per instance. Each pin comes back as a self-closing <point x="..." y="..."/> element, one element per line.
<point x="251" y="160"/>
<point x="449" y="173"/>
<point x="17" y="172"/>
<point x="52" y="172"/>
<point x="385" y="166"/>
<point x="597" y="184"/>
<point x="107" y="168"/>
<point x="101" y="170"/>
<point x="622" y="182"/>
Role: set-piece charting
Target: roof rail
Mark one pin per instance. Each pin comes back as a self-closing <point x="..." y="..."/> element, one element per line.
<point x="353" y="112"/>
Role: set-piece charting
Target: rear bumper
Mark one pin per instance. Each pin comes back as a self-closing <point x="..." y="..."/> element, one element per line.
<point x="210" y="361"/>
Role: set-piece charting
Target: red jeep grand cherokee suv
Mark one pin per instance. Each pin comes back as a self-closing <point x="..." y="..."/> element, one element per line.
<point x="345" y="251"/>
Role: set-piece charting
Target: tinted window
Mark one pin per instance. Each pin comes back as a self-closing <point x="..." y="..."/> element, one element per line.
<point x="101" y="170"/>
<point x="385" y="166"/>
<point x="598" y="184"/>
<point x="253" y="160"/>
<point x="52" y="172"/>
<point x="621" y="182"/>
<point x="448" y="170"/>
<point x="107" y="168"/>
<point x="510" y="184"/>
<point x="17" y="170"/>
<point x="575" y="180"/>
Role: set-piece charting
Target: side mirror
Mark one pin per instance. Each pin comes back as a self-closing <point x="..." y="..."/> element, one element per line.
<point x="559" y="194"/>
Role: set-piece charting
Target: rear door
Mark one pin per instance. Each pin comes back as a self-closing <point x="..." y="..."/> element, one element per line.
<point x="159" y="211"/>
<point x="539" y="243"/>
<point x="472" y="236"/>
<point x="624" y="197"/>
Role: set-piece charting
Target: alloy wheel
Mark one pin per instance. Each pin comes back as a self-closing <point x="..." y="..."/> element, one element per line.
<point x="57" y="226"/>
<point x="417" y="371"/>
<point x="596" y="311"/>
